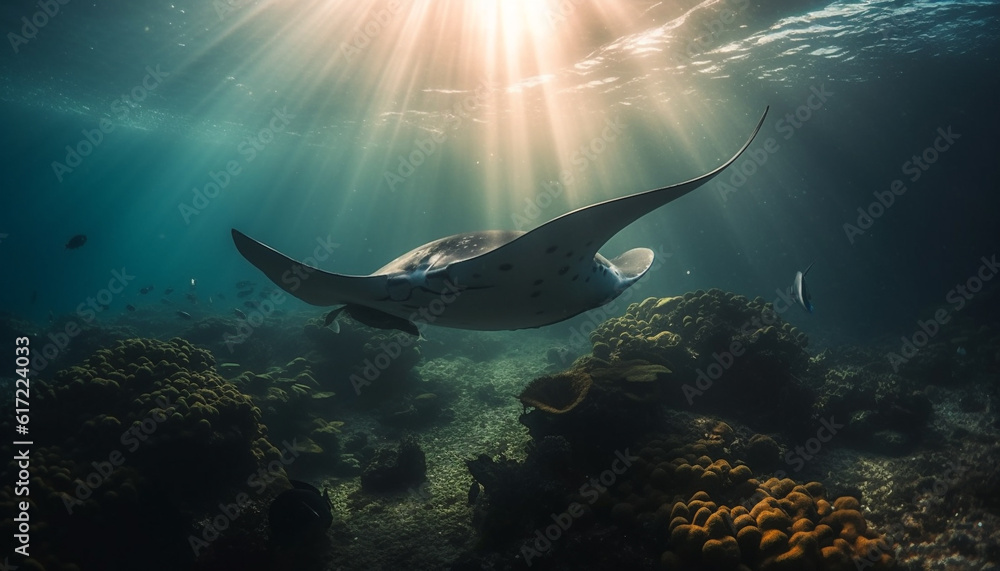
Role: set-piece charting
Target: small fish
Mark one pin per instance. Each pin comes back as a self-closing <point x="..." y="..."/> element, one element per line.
<point x="183" y="315"/>
<point x="961" y="351"/>
<point x="194" y="283"/>
<point x="251" y="304"/>
<point x="52" y="316"/>
<point x="799" y="291"/>
<point x="244" y="284"/>
<point x="146" y="290"/>
<point x="76" y="241"/>
<point x="332" y="318"/>
<point x="240" y="314"/>
<point x="168" y="291"/>
<point x="474" y="490"/>
<point x="130" y="308"/>
<point x="220" y="296"/>
<point x="166" y="301"/>
<point x="193" y="298"/>
<point x="243" y="294"/>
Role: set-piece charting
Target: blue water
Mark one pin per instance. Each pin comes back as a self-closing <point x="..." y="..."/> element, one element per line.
<point x="496" y="112"/>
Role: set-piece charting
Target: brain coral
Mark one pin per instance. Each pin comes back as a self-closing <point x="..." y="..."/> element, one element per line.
<point x="138" y="440"/>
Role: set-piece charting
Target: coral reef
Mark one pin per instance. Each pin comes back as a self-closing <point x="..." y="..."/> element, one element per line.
<point x="69" y="340"/>
<point x="885" y="413"/>
<point x="149" y="437"/>
<point x="729" y="354"/>
<point x="732" y="519"/>
<point x="557" y="394"/>
<point x="294" y="406"/>
<point x="227" y="338"/>
<point x="521" y="495"/>
<point x="687" y="506"/>
<point x="579" y="404"/>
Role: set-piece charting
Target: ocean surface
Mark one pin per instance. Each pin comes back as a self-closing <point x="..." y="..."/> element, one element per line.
<point x="348" y="133"/>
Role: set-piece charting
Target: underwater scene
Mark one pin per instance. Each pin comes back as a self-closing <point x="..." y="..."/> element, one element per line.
<point x="476" y="285"/>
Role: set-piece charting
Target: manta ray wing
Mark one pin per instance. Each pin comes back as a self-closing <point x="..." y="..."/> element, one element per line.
<point x="579" y="234"/>
<point x="311" y="285"/>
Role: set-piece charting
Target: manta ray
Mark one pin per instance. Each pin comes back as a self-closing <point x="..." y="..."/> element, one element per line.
<point x="488" y="280"/>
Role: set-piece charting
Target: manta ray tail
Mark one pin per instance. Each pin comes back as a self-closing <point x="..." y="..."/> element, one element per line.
<point x="311" y="285"/>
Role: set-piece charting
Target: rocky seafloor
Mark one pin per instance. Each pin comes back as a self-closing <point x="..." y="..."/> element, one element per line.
<point x="695" y="432"/>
